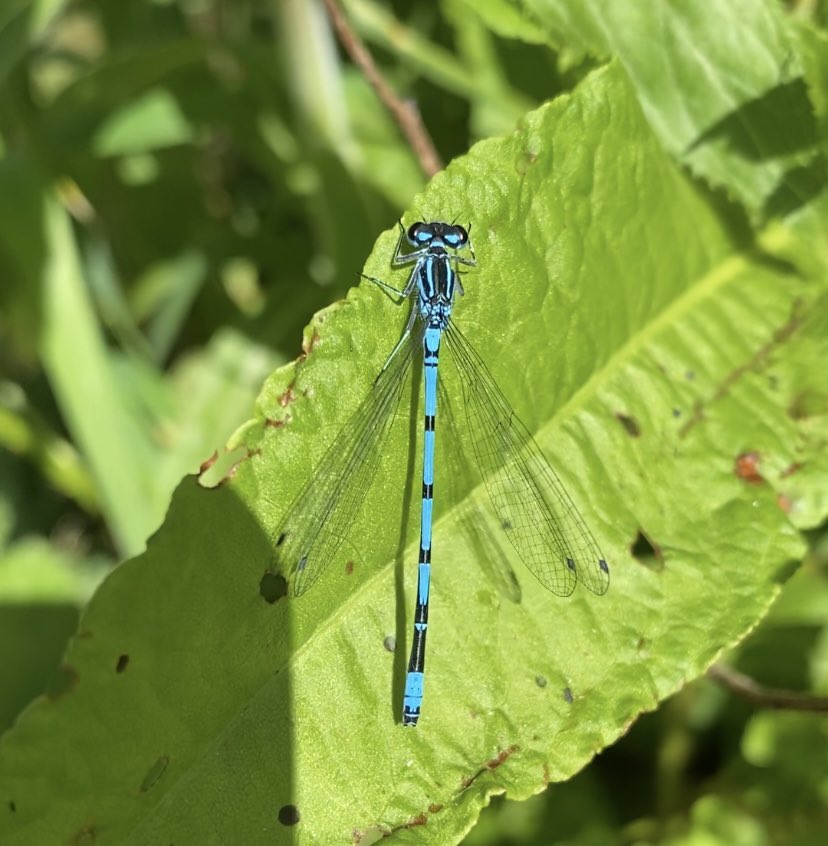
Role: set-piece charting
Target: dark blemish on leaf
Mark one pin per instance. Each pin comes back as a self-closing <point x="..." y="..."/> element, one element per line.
<point x="540" y="681"/>
<point x="273" y="587"/>
<point x="281" y="539"/>
<point x="84" y="837"/>
<point x="349" y="568"/>
<point x="435" y="808"/>
<point x="629" y="423"/>
<point x="154" y="773"/>
<point x="62" y="682"/>
<point x="791" y="469"/>
<point x="567" y="695"/>
<point x="746" y="468"/>
<point x="122" y="663"/>
<point x="289" y="815"/>
<point x="641" y="643"/>
<point x="796" y="410"/>
<point x="12" y="806"/>
<point x="287" y="398"/>
<point x="506" y="524"/>
<point x="689" y="375"/>
<point x="208" y="462"/>
<point x="676" y="412"/>
<point x="390" y="643"/>
<point x="270" y="423"/>
<point x="647" y="552"/>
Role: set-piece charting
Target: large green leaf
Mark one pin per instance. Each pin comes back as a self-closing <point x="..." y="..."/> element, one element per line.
<point x="669" y="373"/>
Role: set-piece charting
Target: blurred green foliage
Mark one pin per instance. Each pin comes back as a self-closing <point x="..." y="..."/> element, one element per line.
<point x="185" y="182"/>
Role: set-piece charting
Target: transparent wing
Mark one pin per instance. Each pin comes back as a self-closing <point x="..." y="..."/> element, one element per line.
<point x="322" y="514"/>
<point x="493" y="562"/>
<point x="537" y="514"/>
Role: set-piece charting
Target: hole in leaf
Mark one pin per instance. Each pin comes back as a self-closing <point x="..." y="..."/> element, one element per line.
<point x="647" y="552"/>
<point x="272" y="587"/>
<point x="289" y="815"/>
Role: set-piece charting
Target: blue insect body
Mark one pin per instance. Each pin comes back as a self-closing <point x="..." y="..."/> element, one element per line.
<point x="530" y="500"/>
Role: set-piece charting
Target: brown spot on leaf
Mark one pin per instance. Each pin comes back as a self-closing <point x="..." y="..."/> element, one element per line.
<point x="629" y="423"/>
<point x="208" y="462"/>
<point x="420" y="819"/>
<point x="746" y="468"/>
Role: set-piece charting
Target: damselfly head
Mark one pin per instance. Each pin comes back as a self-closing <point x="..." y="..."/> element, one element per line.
<point x="422" y="234"/>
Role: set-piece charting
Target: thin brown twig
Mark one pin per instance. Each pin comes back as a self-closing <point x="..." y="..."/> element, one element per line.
<point x="766" y="697"/>
<point x="405" y="113"/>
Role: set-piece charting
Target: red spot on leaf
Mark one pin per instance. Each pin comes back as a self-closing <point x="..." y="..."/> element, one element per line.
<point x="747" y="468"/>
